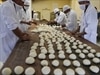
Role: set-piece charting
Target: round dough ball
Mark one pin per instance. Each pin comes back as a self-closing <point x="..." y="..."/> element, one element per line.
<point x="80" y="71"/>
<point x="98" y="54"/>
<point x="44" y="51"/>
<point x="51" y="51"/>
<point x="61" y="52"/>
<point x="76" y="63"/>
<point x="94" y="69"/>
<point x="81" y="46"/>
<point x="69" y="51"/>
<point x="61" y="56"/>
<point x="81" y="55"/>
<point x="75" y="43"/>
<point x="72" y="56"/>
<point x="66" y="63"/>
<point x="74" y="47"/>
<point x="90" y="55"/>
<point x="55" y="63"/>
<point x="51" y="56"/>
<point x="85" y="51"/>
<point x="18" y="70"/>
<point x="46" y="70"/>
<point x="30" y="60"/>
<point x="86" y="62"/>
<point x="33" y="54"/>
<point x="44" y="63"/>
<point x="78" y="51"/>
<point x="36" y="44"/>
<point x="88" y="47"/>
<point x="70" y="72"/>
<point x="58" y="71"/>
<point x="30" y="71"/>
<point x="41" y="56"/>
<point x="6" y="71"/>
<point x="96" y="60"/>
<point x="85" y="45"/>
<point x="93" y="51"/>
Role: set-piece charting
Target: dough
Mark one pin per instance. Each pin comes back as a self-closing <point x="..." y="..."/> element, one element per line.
<point x="55" y="63"/>
<point x="85" y="51"/>
<point x="96" y="60"/>
<point x="81" y="55"/>
<point x="41" y="56"/>
<point x="72" y="56"/>
<point x="18" y="70"/>
<point x="66" y="62"/>
<point x="29" y="71"/>
<point x="74" y="47"/>
<point x="86" y="62"/>
<point x="78" y="51"/>
<point x="45" y="70"/>
<point x="80" y="71"/>
<point x="98" y="54"/>
<point x="90" y="55"/>
<point x="94" y="69"/>
<point x="44" y="63"/>
<point x="88" y="47"/>
<point x="61" y="52"/>
<point x="81" y="46"/>
<point x="76" y="63"/>
<point x="51" y="56"/>
<point x="44" y="51"/>
<point x="69" y="51"/>
<point x="33" y="54"/>
<point x="6" y="71"/>
<point x="93" y="51"/>
<point x="51" y="51"/>
<point x="61" y="56"/>
<point x="36" y="44"/>
<point x="30" y="60"/>
<point x="58" y="71"/>
<point x="70" y="72"/>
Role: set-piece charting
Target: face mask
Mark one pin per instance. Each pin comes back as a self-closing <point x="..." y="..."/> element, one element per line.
<point x="82" y="7"/>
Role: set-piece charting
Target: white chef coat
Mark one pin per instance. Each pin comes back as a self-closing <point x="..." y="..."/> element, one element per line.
<point x="61" y="19"/>
<point x="72" y="21"/>
<point x="89" y="24"/>
<point x="8" y="22"/>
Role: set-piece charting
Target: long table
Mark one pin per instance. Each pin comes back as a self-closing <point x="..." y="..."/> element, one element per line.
<point x="21" y="51"/>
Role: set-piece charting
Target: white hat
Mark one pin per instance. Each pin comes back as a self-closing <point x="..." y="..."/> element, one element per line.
<point x="83" y="0"/>
<point x="56" y="10"/>
<point x="66" y="7"/>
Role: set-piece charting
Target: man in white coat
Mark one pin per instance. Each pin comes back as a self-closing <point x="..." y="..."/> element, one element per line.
<point x="9" y="27"/>
<point x="71" y="17"/>
<point x="89" y="21"/>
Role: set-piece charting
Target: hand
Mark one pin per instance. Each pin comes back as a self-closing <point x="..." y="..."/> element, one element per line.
<point x="25" y="37"/>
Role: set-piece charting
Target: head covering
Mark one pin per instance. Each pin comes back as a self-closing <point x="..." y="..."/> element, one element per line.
<point x="66" y="7"/>
<point x="83" y="0"/>
<point x="26" y="3"/>
<point x="56" y="10"/>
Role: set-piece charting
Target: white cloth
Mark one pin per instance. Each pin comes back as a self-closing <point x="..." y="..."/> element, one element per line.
<point x="61" y="19"/>
<point x="8" y="22"/>
<point x="66" y="7"/>
<point x="89" y="24"/>
<point x="56" y="10"/>
<point x="72" y="20"/>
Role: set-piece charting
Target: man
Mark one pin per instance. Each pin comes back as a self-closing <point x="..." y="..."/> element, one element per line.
<point x="9" y="27"/>
<point x="71" y="17"/>
<point x="89" y="21"/>
<point x="60" y="18"/>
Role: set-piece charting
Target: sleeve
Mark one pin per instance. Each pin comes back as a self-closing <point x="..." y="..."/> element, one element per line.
<point x="8" y="16"/>
<point x="60" y="19"/>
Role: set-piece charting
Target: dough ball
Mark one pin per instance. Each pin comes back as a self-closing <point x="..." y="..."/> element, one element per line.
<point x="36" y="44"/>
<point x="98" y="54"/>
<point x="66" y="62"/>
<point x="58" y="71"/>
<point x="61" y="52"/>
<point x="69" y="51"/>
<point x="18" y="70"/>
<point x="86" y="62"/>
<point x="85" y="51"/>
<point x="30" y="71"/>
<point x="51" y="56"/>
<point x="80" y="71"/>
<point x="94" y="69"/>
<point x="85" y="45"/>
<point x="55" y="63"/>
<point x="88" y="47"/>
<point x="90" y="55"/>
<point x="75" y="43"/>
<point x="30" y="60"/>
<point x="74" y="47"/>
<point x="78" y="51"/>
<point x="6" y="71"/>
<point x="61" y="56"/>
<point x="82" y="55"/>
<point x="33" y="47"/>
<point x="46" y="70"/>
<point x="93" y="51"/>
<point x="96" y="60"/>
<point x="76" y="63"/>
<point x="70" y="72"/>
<point x="44" y="63"/>
<point x="44" y="51"/>
<point x="41" y="56"/>
<point x="72" y="56"/>
<point x="1" y="65"/>
<point x="51" y="51"/>
<point x="81" y="46"/>
<point x="33" y="54"/>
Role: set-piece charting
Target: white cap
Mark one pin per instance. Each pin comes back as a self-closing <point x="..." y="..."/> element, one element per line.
<point x="83" y="0"/>
<point x="56" y="10"/>
<point x="66" y="7"/>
